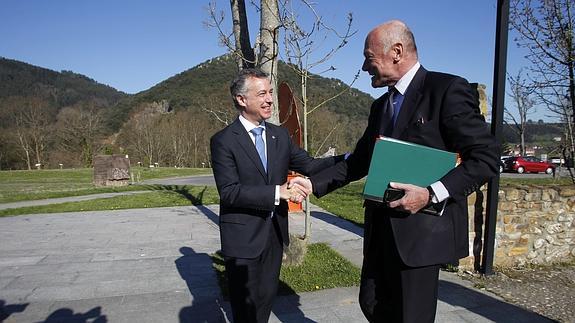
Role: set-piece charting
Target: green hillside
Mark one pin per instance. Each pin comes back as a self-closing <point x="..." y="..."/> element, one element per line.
<point x="207" y="85"/>
<point x="53" y="118"/>
<point x="62" y="88"/>
<point x="536" y="133"/>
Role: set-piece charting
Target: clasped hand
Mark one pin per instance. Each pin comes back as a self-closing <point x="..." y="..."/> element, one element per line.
<point x="296" y="189"/>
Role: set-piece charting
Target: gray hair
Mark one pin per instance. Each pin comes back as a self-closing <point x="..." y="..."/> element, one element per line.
<point x="238" y="85"/>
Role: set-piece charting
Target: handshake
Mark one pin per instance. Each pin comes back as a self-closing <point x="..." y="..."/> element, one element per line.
<point x="296" y="189"/>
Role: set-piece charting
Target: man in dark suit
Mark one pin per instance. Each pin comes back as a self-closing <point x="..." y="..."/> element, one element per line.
<point x="403" y="247"/>
<point x="250" y="160"/>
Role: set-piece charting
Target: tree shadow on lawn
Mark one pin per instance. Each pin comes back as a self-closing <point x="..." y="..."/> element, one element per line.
<point x="196" y="198"/>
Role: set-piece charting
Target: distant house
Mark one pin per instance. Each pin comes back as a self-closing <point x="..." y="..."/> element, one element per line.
<point x="529" y="151"/>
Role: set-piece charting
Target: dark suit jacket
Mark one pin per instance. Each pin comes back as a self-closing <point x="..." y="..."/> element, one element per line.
<point x="438" y="110"/>
<point x="247" y="193"/>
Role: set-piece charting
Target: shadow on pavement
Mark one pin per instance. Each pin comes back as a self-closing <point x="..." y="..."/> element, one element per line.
<point x="8" y="309"/>
<point x="339" y="222"/>
<point x="193" y="267"/>
<point x="485" y="305"/>
<point x="209" y="213"/>
<point x="286" y="307"/>
<point x="196" y="270"/>
<point x="66" y="315"/>
<point x="286" y="304"/>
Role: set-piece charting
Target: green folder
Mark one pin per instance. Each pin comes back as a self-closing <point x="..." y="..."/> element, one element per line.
<point x="404" y="162"/>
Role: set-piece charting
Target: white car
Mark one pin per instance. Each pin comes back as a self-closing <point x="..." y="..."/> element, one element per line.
<point x="556" y="160"/>
<point x="502" y="164"/>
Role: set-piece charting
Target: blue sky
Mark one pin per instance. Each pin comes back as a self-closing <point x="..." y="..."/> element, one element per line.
<point x="132" y="45"/>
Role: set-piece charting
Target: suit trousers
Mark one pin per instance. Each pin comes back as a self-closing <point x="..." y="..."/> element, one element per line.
<point x="253" y="283"/>
<point x="391" y="291"/>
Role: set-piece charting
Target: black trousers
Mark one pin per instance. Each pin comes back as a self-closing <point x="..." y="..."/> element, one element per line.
<point x="391" y="291"/>
<point x="253" y="283"/>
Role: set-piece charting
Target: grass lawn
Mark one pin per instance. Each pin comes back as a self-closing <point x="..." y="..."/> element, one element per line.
<point x="159" y="196"/>
<point x="345" y="202"/>
<point x="26" y="185"/>
<point x="322" y="268"/>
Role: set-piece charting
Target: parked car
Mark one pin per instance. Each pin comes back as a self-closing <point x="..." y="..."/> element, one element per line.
<point x="528" y="164"/>
<point x="502" y="162"/>
<point x="556" y="161"/>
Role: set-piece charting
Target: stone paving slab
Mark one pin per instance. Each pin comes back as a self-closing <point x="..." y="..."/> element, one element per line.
<point x="153" y="265"/>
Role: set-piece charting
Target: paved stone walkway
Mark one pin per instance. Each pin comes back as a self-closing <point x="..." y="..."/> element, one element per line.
<point x="153" y="265"/>
<point x="14" y="205"/>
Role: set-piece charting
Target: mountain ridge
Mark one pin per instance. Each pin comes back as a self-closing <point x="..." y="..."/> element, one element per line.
<point x="196" y="96"/>
<point x="66" y="87"/>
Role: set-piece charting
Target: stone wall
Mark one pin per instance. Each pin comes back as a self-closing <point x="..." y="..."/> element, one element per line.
<point x="535" y="225"/>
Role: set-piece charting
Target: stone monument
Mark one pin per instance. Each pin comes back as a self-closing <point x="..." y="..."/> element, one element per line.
<point x="111" y="170"/>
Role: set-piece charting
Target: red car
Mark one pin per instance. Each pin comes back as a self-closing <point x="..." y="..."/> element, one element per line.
<point x="528" y="164"/>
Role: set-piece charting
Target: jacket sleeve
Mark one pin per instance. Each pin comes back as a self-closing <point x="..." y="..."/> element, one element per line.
<point x="301" y="162"/>
<point x="466" y="133"/>
<point x="356" y="165"/>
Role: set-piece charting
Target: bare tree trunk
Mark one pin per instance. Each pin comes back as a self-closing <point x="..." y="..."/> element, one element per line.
<point x="571" y="123"/>
<point x="545" y="30"/>
<point x="37" y="150"/>
<point x="568" y="154"/>
<point x="524" y="104"/>
<point x="303" y="83"/>
<point x="244" y="52"/>
<point x="26" y="149"/>
<point x="195" y="150"/>
<point x="522" y="150"/>
<point x="268" y="56"/>
<point x="28" y="160"/>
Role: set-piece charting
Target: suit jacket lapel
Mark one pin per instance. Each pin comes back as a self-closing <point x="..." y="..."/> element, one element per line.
<point x="244" y="140"/>
<point x="410" y="102"/>
<point x="384" y="121"/>
<point x="272" y="146"/>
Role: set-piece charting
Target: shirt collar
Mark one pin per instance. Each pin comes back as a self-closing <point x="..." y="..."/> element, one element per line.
<point x="249" y="126"/>
<point x="405" y="80"/>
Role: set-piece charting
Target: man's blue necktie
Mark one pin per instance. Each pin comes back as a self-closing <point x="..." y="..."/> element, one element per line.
<point x="397" y="100"/>
<point x="260" y="147"/>
<point x="391" y="110"/>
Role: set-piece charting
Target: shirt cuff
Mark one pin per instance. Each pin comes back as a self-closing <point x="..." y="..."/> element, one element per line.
<point x="441" y="193"/>
<point x="277" y="198"/>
